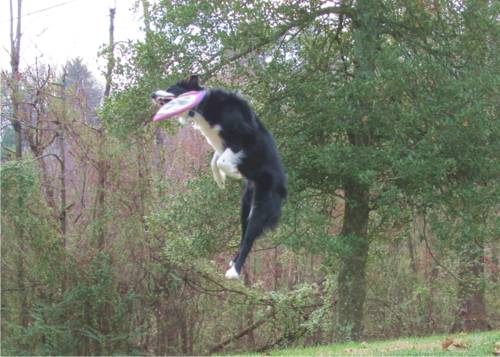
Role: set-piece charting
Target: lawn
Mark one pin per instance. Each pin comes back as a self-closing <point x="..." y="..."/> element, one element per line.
<point x="472" y="344"/>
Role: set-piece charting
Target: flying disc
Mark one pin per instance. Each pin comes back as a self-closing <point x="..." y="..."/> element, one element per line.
<point x="179" y="105"/>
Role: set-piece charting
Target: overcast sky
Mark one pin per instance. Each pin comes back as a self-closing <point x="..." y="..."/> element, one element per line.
<point x="58" y="30"/>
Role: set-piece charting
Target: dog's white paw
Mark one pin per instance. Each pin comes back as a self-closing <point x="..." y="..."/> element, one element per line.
<point x="229" y="170"/>
<point x="231" y="273"/>
<point x="219" y="176"/>
<point x="228" y="163"/>
<point x="220" y="179"/>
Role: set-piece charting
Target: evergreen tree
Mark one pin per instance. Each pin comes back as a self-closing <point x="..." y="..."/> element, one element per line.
<point x="361" y="96"/>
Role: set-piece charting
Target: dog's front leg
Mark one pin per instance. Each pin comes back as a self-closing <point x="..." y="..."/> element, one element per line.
<point x="228" y="162"/>
<point x="219" y="176"/>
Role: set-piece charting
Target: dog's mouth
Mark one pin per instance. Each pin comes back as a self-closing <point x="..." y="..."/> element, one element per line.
<point x="161" y="97"/>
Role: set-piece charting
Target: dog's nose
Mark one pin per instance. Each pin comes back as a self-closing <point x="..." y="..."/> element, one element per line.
<point x="153" y="95"/>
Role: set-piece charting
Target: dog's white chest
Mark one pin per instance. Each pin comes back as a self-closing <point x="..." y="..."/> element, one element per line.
<point x="211" y="133"/>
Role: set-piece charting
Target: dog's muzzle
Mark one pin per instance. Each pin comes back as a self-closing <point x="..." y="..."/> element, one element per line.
<point x="161" y="97"/>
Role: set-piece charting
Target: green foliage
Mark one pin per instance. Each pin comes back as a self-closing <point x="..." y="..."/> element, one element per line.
<point x="190" y="224"/>
<point x="71" y="321"/>
<point x="68" y="305"/>
<point x="398" y="98"/>
<point x="7" y="137"/>
<point x="24" y="214"/>
<point x="126" y="112"/>
<point x="18" y="183"/>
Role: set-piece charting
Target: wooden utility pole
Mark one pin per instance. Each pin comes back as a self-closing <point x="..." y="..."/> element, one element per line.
<point x="111" y="57"/>
<point x="15" y="55"/>
<point x="102" y="164"/>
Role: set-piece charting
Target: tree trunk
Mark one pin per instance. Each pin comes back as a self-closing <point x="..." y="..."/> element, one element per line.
<point x="351" y="278"/>
<point x="472" y="309"/>
<point x="471" y="315"/>
<point x="62" y="161"/>
<point x="62" y="177"/>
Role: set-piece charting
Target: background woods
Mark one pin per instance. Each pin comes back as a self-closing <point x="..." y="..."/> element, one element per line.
<point x="115" y="237"/>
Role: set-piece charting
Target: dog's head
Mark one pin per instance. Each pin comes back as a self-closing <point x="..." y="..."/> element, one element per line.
<point x="160" y="97"/>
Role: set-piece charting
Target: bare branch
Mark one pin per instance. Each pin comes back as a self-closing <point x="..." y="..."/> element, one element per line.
<point x="242" y="333"/>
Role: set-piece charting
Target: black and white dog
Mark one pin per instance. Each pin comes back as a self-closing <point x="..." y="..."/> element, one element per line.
<point x="243" y="148"/>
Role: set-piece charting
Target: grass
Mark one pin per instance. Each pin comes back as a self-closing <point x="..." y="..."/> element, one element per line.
<point x="472" y="344"/>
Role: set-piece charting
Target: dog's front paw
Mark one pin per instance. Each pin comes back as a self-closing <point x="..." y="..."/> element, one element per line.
<point x="228" y="169"/>
<point x="219" y="176"/>
<point x="220" y="179"/>
<point x="231" y="273"/>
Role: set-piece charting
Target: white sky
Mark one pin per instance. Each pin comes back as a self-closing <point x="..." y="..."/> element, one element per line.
<point x="66" y="29"/>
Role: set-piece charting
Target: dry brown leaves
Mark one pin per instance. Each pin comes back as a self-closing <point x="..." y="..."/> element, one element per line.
<point x="453" y="343"/>
<point x="496" y="349"/>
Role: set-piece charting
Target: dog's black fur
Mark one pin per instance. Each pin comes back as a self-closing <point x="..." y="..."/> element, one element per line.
<point x="261" y="166"/>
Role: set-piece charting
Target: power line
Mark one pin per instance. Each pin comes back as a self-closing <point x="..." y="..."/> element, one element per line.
<point x="42" y="10"/>
<point x="48" y="8"/>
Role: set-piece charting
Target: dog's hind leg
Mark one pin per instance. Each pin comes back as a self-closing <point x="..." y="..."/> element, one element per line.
<point x="245" y="211"/>
<point x="265" y="211"/>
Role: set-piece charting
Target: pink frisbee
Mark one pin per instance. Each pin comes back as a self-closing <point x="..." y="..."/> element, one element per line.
<point x="179" y="105"/>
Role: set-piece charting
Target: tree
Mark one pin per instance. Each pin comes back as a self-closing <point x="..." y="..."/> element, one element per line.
<point x="88" y="91"/>
<point x="474" y="184"/>
<point x="355" y="93"/>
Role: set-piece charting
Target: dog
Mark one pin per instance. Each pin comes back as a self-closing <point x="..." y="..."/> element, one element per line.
<point x="243" y="149"/>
